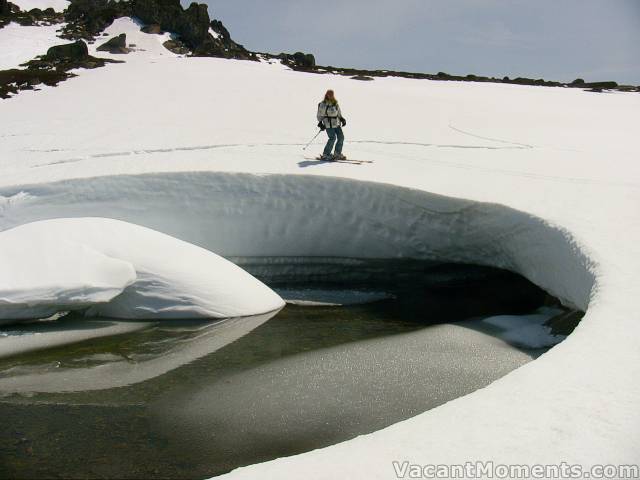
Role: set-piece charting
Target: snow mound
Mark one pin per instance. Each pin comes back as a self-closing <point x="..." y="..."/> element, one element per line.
<point x="26" y="43"/>
<point x="116" y="269"/>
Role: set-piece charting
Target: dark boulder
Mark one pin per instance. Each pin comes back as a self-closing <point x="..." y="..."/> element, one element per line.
<point x="299" y="60"/>
<point x="115" y="45"/>
<point x="363" y="78"/>
<point x="36" y="13"/>
<point x="177" y="47"/>
<point x="152" y="28"/>
<point x="524" y="81"/>
<point x="70" y="52"/>
<point x="305" y="60"/>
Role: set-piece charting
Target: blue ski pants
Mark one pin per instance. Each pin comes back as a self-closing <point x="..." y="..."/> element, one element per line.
<point x="334" y="133"/>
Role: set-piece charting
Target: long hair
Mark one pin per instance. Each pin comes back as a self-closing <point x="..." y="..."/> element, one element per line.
<point x="333" y="100"/>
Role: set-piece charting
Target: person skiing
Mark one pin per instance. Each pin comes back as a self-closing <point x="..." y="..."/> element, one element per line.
<point x="330" y="119"/>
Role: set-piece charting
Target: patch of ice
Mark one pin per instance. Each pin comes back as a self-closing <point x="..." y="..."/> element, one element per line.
<point x="111" y="373"/>
<point x="528" y="331"/>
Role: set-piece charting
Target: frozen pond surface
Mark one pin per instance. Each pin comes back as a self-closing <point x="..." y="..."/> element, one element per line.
<point x="194" y="399"/>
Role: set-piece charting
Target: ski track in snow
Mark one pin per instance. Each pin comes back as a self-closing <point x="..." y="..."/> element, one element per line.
<point x="463" y="132"/>
<point x="147" y="151"/>
<point x="447" y="163"/>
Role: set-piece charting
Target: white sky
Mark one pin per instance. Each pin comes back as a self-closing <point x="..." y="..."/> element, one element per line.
<point x="553" y="39"/>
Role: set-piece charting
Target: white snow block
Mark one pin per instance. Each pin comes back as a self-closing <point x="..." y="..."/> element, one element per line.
<point x="117" y="269"/>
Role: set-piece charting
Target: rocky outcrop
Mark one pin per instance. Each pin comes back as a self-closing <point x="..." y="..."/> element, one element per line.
<point x="115" y="45"/>
<point x="298" y="60"/>
<point x="5" y="8"/>
<point x="218" y="47"/>
<point x="291" y="61"/>
<point x="49" y="69"/>
<point x="87" y="18"/>
<point x="14" y="80"/>
<point x="194" y="33"/>
<point x="192" y="24"/>
<point x="10" y="12"/>
<point x="220" y="29"/>
<point x="192" y="27"/>
<point x="601" y="85"/>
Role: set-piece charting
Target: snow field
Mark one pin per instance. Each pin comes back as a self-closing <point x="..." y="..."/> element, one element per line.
<point x="21" y="44"/>
<point x="544" y="181"/>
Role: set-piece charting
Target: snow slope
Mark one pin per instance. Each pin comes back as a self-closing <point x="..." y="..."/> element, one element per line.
<point x="148" y="47"/>
<point x="115" y="269"/>
<point x="544" y="181"/>
<point x="25" y="43"/>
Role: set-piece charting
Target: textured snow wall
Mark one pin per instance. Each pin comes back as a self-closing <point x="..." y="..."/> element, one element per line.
<point x="290" y="215"/>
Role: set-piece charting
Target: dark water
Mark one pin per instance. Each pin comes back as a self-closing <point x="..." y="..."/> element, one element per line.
<point x="195" y="399"/>
<point x="285" y="387"/>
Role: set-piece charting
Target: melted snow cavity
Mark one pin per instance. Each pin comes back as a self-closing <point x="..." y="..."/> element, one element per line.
<point x="247" y="215"/>
<point x="366" y="340"/>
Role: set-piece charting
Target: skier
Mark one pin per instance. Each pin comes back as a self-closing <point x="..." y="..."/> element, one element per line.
<point x="330" y="119"/>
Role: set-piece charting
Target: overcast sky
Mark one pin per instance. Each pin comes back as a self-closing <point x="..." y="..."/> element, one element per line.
<point x="553" y="39"/>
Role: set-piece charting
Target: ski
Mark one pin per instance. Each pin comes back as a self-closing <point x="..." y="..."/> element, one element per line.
<point x="348" y="160"/>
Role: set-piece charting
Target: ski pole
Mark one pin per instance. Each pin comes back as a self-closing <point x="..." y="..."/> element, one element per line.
<point x="314" y="137"/>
